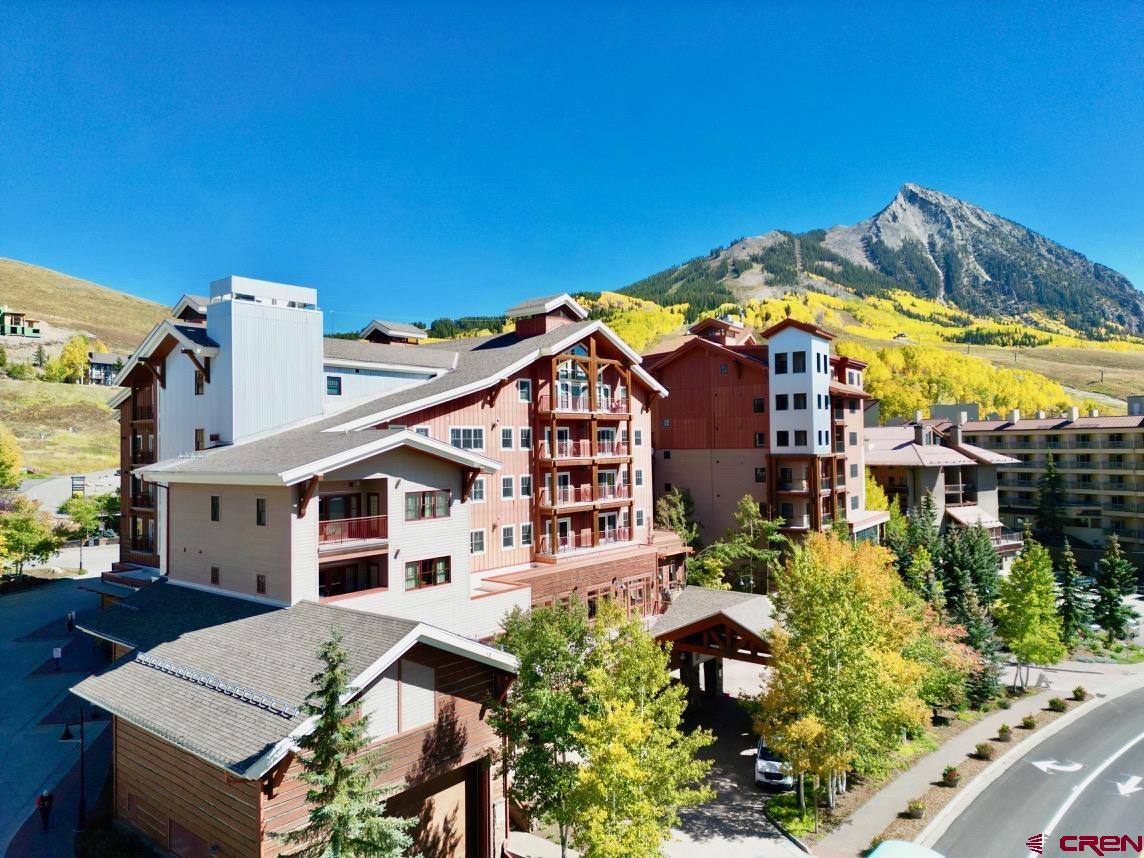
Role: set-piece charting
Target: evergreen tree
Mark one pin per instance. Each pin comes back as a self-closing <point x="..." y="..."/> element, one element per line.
<point x="675" y="511"/>
<point x="983" y="684"/>
<point x="1073" y="604"/>
<point x="923" y="528"/>
<point x="756" y="544"/>
<point x="347" y="815"/>
<point x="1115" y="577"/>
<point x="969" y="562"/>
<point x="41" y="357"/>
<point x="984" y="564"/>
<point x="1050" y="504"/>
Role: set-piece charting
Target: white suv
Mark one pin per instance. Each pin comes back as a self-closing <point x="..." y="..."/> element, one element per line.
<point x="771" y="770"/>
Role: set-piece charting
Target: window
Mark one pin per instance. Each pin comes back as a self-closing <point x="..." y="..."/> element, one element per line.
<point x="467" y="438"/>
<point x="506" y="438"/>
<point x="423" y="431"/>
<point x="759" y="404"/>
<point x="853" y="471"/>
<point x="786" y="511"/>
<point x="853" y="438"/>
<point x="506" y="487"/>
<point x="800" y="402"/>
<point x="421" y="505"/>
<point x="639" y="517"/>
<point x="427" y="573"/>
<point x="667" y="454"/>
<point x="818" y="361"/>
<point x="760" y="439"/>
<point x="798" y="360"/>
<point x="216" y="508"/>
<point x="800" y="437"/>
<point x="782" y="402"/>
<point x="782" y="438"/>
<point x="507" y="536"/>
<point x="853" y="405"/>
<point x="477" y="492"/>
<point x="200" y="382"/>
<point x="639" y="477"/>
<point x="854" y="502"/>
<point x="260" y="584"/>
<point x="667" y="487"/>
<point x="760" y="475"/>
<point x="722" y="369"/>
<point x="526" y="485"/>
<point x="333" y="385"/>
<point x="638" y="434"/>
<point x="200" y="439"/>
<point x="524" y="389"/>
<point x="525" y="438"/>
<point x="624" y="434"/>
<point x="526" y="534"/>
<point x="260" y="512"/>
<point x="476" y="542"/>
<point x="780" y="363"/>
<point x="215" y="575"/>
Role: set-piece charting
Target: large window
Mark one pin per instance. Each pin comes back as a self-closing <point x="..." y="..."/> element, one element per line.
<point x="260" y="512"/>
<point x="419" y="505"/>
<point x="782" y="438"/>
<point x="800" y="402"/>
<point x="476" y="542"/>
<point x="333" y="385"/>
<point x="427" y="573"/>
<point x="798" y="361"/>
<point x="782" y="402"/>
<point x="780" y="363"/>
<point x="467" y="437"/>
<point x="524" y="389"/>
<point x="800" y="437"/>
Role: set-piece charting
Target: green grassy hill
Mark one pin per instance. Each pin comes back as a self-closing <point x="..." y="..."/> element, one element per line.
<point x="62" y="428"/>
<point x="118" y="319"/>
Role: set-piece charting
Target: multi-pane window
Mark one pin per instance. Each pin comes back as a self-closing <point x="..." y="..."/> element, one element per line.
<point x="853" y="470"/>
<point x="526" y="485"/>
<point x="853" y="438"/>
<point x="427" y="573"/>
<point x="800" y="437"/>
<point x="639" y="517"/>
<point x="333" y="385"/>
<point x="525" y="438"/>
<point x="423" y="431"/>
<point x="800" y="402"/>
<point x="798" y="361"/>
<point x="637" y="435"/>
<point x="760" y="475"/>
<point x="476" y="542"/>
<point x="467" y="437"/>
<point x="854" y="502"/>
<point x="506" y="438"/>
<point x="507" y="536"/>
<point x="760" y="439"/>
<point x="526" y="534"/>
<point x="759" y="404"/>
<point x="506" y="487"/>
<point x="421" y="505"/>
<point x="216" y="508"/>
<point x="200" y="382"/>
<point x="780" y="363"/>
<point x="639" y="477"/>
<point x="477" y="492"/>
<point x="782" y="438"/>
<point x="782" y="402"/>
<point x="260" y="512"/>
<point x="524" y="389"/>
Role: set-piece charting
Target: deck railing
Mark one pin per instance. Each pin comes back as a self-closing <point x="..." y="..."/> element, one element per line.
<point x="347" y="529"/>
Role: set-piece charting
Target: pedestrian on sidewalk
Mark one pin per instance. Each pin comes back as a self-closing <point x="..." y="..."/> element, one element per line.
<point x="44" y="804"/>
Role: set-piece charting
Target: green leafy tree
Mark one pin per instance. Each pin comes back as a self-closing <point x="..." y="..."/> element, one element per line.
<point x="897" y="536"/>
<point x="756" y="543"/>
<point x="708" y="568"/>
<point x="641" y="767"/>
<point x="1026" y="611"/>
<point x="1115" y="577"/>
<point x="541" y="713"/>
<point x="949" y="663"/>
<point x="11" y="460"/>
<point x="86" y="514"/>
<point x="1050" y="504"/>
<point x="875" y="496"/>
<point x="675" y="511"/>
<point x="29" y="535"/>
<point x="347" y="815"/>
<point x="1074" y="606"/>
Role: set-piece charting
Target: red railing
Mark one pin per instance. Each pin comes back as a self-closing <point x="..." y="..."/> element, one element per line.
<point x="566" y="449"/>
<point x="612" y="448"/>
<point x="615" y="534"/>
<point x="620" y="491"/>
<point x="564" y="495"/>
<point x="561" y="544"/>
<point x="346" y="529"/>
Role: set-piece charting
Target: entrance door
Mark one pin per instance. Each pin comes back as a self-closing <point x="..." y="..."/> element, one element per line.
<point x="564" y="488"/>
<point x="606" y="441"/>
<point x="337" y="507"/>
<point x="605" y="485"/>
<point x="608" y="523"/>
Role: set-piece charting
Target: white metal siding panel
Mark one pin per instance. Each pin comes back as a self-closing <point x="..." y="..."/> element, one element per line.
<point x="359" y="383"/>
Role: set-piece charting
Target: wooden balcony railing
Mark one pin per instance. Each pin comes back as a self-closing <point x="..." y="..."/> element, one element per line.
<point x="566" y="450"/>
<point x="142" y="457"/>
<point x="143" y="500"/>
<point x="143" y="412"/>
<point x="348" y="529"/>
<point x="582" y="404"/>
<point x="578" y="542"/>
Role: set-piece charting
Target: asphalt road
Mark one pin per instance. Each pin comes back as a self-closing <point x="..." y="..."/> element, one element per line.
<point x="1090" y="782"/>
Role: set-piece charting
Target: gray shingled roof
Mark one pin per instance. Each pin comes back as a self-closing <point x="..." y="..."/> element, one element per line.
<point x="104" y="358"/>
<point x="536" y="306"/>
<point x="753" y="612"/>
<point x="481" y="358"/>
<point x="335" y="348"/>
<point x="398" y="328"/>
<point x="197" y="334"/>
<point x="272" y="653"/>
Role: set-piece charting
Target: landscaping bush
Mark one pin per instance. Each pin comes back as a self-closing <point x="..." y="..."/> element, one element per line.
<point x="1029" y="722"/>
<point x="1058" y="705"/>
<point x="783" y="809"/>
<point x="916" y="809"/>
<point x="1079" y="693"/>
<point x="950" y="776"/>
<point x="1003" y="703"/>
<point x="1005" y="733"/>
<point x="984" y="750"/>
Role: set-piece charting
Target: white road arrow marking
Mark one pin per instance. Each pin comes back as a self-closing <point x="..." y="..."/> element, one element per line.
<point x="1130" y="786"/>
<point x="1050" y="766"/>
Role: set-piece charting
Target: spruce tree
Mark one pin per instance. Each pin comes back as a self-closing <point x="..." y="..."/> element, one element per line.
<point x="1050" y="504"/>
<point x="923" y="528"/>
<point x="1073" y="604"/>
<point x="347" y="814"/>
<point x="984" y="565"/>
<point x="1114" y="576"/>
<point x="984" y="684"/>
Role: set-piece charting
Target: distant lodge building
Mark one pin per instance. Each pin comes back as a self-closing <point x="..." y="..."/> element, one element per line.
<point x="102" y="368"/>
<point x="16" y="324"/>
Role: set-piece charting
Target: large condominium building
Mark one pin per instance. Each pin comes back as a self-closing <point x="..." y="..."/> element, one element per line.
<point x="780" y="421"/>
<point x="1101" y="460"/>
<point x="446" y="482"/>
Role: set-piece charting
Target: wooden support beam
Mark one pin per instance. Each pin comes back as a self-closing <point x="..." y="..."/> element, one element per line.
<point x="158" y="372"/>
<point x="203" y="366"/>
<point x="470" y="478"/>
<point x="309" y="489"/>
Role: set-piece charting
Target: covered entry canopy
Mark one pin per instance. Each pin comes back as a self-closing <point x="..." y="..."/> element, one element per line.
<point x="717" y="623"/>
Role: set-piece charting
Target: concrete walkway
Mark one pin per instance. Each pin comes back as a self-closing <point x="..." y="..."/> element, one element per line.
<point x="853" y="836"/>
<point x="37" y="702"/>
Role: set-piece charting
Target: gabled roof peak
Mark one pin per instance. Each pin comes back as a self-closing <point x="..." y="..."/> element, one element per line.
<point x="540" y="306"/>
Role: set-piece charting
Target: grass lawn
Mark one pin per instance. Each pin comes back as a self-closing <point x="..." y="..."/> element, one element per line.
<point x="62" y="428"/>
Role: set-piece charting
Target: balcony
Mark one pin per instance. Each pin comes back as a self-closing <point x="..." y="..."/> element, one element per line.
<point x="143" y="545"/>
<point x="794" y="485"/>
<point x="566" y="450"/>
<point x="612" y="449"/>
<point x="143" y="500"/>
<point x="568" y="404"/>
<point x="142" y="457"/>
<point x="341" y="530"/>
<point x="573" y="542"/>
<point x="577" y="495"/>
<point x="143" y="412"/>
<point x="1006" y="540"/>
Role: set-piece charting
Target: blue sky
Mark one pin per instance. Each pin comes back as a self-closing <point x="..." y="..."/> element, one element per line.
<point x="423" y="160"/>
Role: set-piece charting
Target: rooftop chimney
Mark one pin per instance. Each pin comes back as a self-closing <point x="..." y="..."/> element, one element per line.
<point x="918" y="416"/>
<point x="1074" y="413"/>
<point x="955" y="436"/>
<point x="1040" y="415"/>
<point x="1093" y="413"/>
<point x="919" y="433"/>
<point x="1015" y="415"/>
<point x="962" y="418"/>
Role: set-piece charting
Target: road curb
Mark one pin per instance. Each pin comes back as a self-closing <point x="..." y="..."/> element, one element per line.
<point x="938" y="825"/>
<point x="782" y="830"/>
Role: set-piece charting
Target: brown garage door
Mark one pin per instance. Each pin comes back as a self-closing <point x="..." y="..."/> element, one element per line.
<point x="447" y="813"/>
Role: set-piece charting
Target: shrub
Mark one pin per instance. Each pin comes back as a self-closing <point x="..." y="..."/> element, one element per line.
<point x="1058" y="705"/>
<point x="916" y="809"/>
<point x="1004" y="732"/>
<point x="1029" y="722"/>
<point x="1003" y="703"/>
<point x="984" y="751"/>
<point x="1079" y="693"/>
<point x="950" y="776"/>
